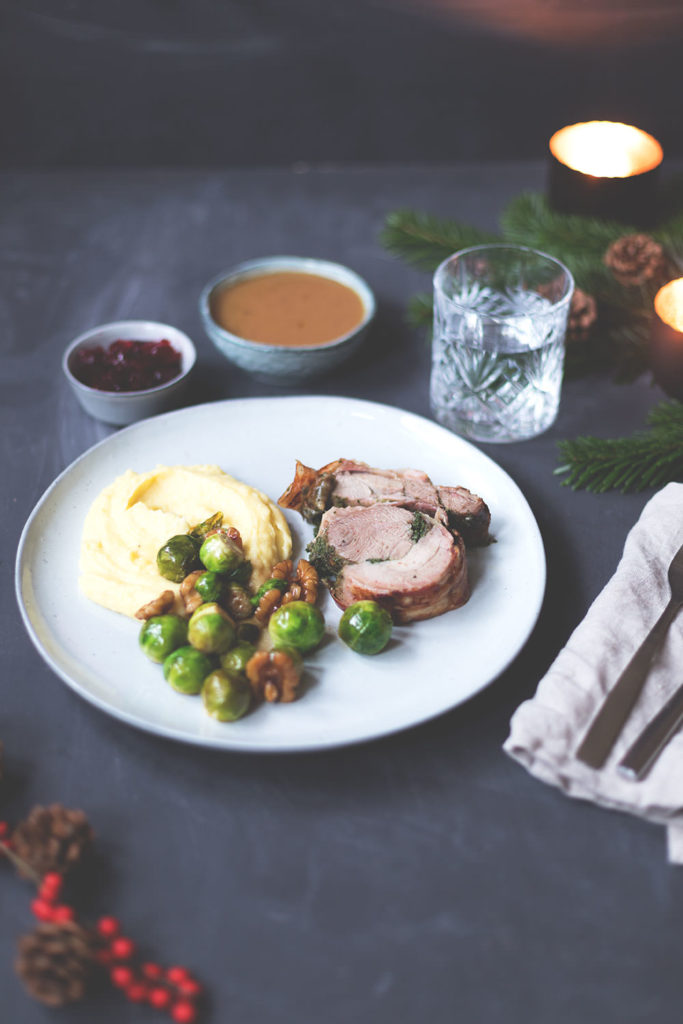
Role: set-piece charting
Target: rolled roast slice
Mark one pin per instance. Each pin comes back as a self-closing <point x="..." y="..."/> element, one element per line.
<point x="345" y="483"/>
<point x="405" y="560"/>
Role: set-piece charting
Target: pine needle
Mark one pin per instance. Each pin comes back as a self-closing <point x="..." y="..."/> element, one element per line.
<point x="425" y="240"/>
<point x="646" y="459"/>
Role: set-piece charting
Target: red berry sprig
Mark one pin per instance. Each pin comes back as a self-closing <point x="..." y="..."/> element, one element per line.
<point x="174" y="990"/>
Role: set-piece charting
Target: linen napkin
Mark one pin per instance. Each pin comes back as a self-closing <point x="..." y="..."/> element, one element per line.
<point x="546" y="730"/>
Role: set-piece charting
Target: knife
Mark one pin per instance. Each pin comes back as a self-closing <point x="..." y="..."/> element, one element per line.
<point x="618" y="703"/>
<point x="646" y="749"/>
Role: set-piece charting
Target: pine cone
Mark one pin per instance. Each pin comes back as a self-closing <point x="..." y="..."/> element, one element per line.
<point x="583" y="312"/>
<point x="56" y="962"/>
<point x="635" y="259"/>
<point x="52" y="838"/>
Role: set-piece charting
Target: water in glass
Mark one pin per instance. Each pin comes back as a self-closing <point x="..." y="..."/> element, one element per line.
<point x="497" y="362"/>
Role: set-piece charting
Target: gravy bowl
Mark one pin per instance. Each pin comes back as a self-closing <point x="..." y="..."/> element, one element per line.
<point x="286" y="363"/>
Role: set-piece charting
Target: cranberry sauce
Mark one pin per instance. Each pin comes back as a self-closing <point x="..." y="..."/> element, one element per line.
<point x="126" y="365"/>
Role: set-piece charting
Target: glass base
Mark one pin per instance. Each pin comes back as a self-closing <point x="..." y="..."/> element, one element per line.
<point x="487" y="431"/>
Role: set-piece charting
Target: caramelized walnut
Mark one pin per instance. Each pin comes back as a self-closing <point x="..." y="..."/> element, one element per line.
<point x="303" y="586"/>
<point x="274" y="676"/>
<point x="159" y="606"/>
<point x="188" y="595"/>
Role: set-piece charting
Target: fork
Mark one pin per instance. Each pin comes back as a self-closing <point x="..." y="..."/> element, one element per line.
<point x="618" y="703"/>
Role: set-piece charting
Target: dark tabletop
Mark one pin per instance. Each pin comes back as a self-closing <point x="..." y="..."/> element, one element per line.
<point x="422" y="877"/>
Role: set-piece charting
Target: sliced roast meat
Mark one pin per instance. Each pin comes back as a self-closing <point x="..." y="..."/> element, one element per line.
<point x="405" y="560"/>
<point x="345" y="483"/>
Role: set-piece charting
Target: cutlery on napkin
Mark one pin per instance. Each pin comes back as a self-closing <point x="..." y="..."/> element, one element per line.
<point x="546" y="731"/>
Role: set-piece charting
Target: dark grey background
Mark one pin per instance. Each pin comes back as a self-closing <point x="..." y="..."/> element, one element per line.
<point x="244" y="82"/>
<point x="424" y="877"/>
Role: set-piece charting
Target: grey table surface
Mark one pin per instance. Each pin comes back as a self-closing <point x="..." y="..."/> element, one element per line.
<point x="424" y="876"/>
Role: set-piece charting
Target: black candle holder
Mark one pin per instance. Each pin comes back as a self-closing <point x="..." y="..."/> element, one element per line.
<point x="631" y="198"/>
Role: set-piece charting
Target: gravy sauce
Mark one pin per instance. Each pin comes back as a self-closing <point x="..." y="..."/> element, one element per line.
<point x="288" y="308"/>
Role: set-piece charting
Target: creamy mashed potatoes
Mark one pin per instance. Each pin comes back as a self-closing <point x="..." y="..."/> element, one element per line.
<point x="137" y="513"/>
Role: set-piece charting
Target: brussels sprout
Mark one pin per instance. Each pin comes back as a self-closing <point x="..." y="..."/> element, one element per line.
<point x="297" y="624"/>
<point x="248" y="632"/>
<point x="209" y="586"/>
<point x="211" y="629"/>
<point x="226" y="697"/>
<point x="366" y="627"/>
<point x="214" y="522"/>
<point x="186" y="669"/>
<point x="161" y="635"/>
<point x="220" y="554"/>
<point x="241" y="574"/>
<point x="235" y="660"/>
<point x="178" y="557"/>
<point x="271" y="584"/>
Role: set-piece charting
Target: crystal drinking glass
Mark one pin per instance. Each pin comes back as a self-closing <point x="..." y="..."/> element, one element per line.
<point x="500" y="317"/>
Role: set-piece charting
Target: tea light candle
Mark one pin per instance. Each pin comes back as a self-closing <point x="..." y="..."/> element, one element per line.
<point x="604" y="169"/>
<point x="666" y="343"/>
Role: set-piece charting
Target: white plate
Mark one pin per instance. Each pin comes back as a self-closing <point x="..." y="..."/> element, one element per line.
<point x="429" y="667"/>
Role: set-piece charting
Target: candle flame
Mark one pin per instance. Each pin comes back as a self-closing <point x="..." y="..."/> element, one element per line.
<point x="669" y="304"/>
<point x="606" y="149"/>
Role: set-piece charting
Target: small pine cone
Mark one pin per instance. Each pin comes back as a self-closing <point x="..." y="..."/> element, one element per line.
<point x="52" y="838"/>
<point x="56" y="962"/>
<point x="635" y="259"/>
<point x="583" y="312"/>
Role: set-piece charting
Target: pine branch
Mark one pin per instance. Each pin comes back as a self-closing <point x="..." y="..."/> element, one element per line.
<point x="425" y="240"/>
<point x="646" y="459"/>
<point x="577" y="241"/>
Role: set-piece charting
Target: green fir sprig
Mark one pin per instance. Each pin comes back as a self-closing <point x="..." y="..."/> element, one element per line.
<point x="649" y="458"/>
<point x="425" y="240"/>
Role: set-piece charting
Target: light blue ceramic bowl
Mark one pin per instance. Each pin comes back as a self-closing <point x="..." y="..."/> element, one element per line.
<point x="123" y="407"/>
<point x="277" y="363"/>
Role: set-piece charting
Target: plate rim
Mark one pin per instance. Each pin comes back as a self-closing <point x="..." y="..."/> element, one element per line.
<point x="249" y="746"/>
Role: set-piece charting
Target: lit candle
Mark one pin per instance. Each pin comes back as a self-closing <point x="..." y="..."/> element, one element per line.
<point x="604" y="169"/>
<point x="666" y="345"/>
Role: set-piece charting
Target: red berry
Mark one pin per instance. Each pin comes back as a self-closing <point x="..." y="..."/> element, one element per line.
<point x="122" y="948"/>
<point x="63" y="913"/>
<point x="177" y="974"/>
<point x="4" y="829"/>
<point x="183" y="1012"/>
<point x="53" y="880"/>
<point x="108" y="927"/>
<point x="189" y="987"/>
<point x="42" y="909"/>
<point x="136" y="992"/>
<point x="122" y="977"/>
<point x="159" y="997"/>
<point x="152" y="971"/>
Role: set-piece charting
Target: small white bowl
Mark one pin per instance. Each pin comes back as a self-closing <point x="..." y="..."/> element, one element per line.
<point x="283" y="363"/>
<point x="123" y="407"/>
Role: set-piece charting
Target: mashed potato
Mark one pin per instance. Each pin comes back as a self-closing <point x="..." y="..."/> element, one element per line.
<point x="137" y="513"/>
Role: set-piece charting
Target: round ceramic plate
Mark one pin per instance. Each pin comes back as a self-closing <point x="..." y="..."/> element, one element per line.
<point x="429" y="666"/>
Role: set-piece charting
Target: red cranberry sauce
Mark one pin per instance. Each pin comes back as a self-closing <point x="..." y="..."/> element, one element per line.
<point x="126" y="365"/>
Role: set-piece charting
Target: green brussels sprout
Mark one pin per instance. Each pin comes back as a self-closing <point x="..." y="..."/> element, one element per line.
<point x="186" y="669"/>
<point x="178" y="557"/>
<point x="226" y="697"/>
<point x="209" y="586"/>
<point x="235" y="660"/>
<point x="161" y="635"/>
<point x="271" y="584"/>
<point x="220" y="554"/>
<point x="366" y="627"/>
<point x="211" y="629"/>
<point x="241" y="574"/>
<point x="214" y="522"/>
<point x="248" y="632"/>
<point x="297" y="624"/>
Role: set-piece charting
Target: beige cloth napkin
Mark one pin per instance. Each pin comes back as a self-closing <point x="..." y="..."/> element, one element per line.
<point x="546" y="730"/>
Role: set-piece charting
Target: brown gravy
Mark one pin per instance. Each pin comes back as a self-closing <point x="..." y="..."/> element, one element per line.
<point x="288" y="308"/>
